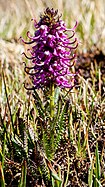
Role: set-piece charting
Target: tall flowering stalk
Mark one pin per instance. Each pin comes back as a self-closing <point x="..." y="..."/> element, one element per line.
<point x="52" y="53"/>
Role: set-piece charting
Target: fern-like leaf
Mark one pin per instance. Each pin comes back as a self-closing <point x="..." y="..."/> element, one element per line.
<point x="39" y="104"/>
<point x="61" y="121"/>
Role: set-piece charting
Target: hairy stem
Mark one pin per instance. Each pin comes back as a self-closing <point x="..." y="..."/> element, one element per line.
<point x="52" y="101"/>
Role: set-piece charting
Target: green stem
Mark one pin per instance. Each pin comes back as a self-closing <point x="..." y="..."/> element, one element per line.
<point x="52" y="116"/>
<point x="52" y="101"/>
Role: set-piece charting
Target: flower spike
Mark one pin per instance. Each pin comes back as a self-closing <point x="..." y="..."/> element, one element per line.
<point x="52" y="52"/>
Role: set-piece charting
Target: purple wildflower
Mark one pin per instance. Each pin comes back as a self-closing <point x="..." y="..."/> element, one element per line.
<point x="53" y="51"/>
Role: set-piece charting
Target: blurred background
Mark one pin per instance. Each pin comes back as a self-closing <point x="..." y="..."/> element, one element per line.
<point x="15" y="16"/>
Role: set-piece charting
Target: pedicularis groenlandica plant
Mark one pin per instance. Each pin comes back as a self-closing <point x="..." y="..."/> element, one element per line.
<point x="52" y="55"/>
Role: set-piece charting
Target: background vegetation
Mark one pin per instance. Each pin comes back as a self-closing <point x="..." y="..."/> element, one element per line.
<point x="78" y="157"/>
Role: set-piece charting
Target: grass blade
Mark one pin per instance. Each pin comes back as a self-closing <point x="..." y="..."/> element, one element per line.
<point x="97" y="168"/>
<point x="90" y="175"/>
<point x="23" y="175"/>
<point x="2" y="176"/>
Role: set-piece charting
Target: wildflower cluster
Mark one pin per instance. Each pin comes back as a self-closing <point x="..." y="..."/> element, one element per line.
<point x="52" y="54"/>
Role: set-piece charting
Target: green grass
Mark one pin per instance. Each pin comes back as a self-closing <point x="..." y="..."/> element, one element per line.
<point x="72" y="152"/>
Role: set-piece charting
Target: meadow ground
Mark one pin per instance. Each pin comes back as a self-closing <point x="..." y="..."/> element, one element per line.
<point x="27" y="155"/>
